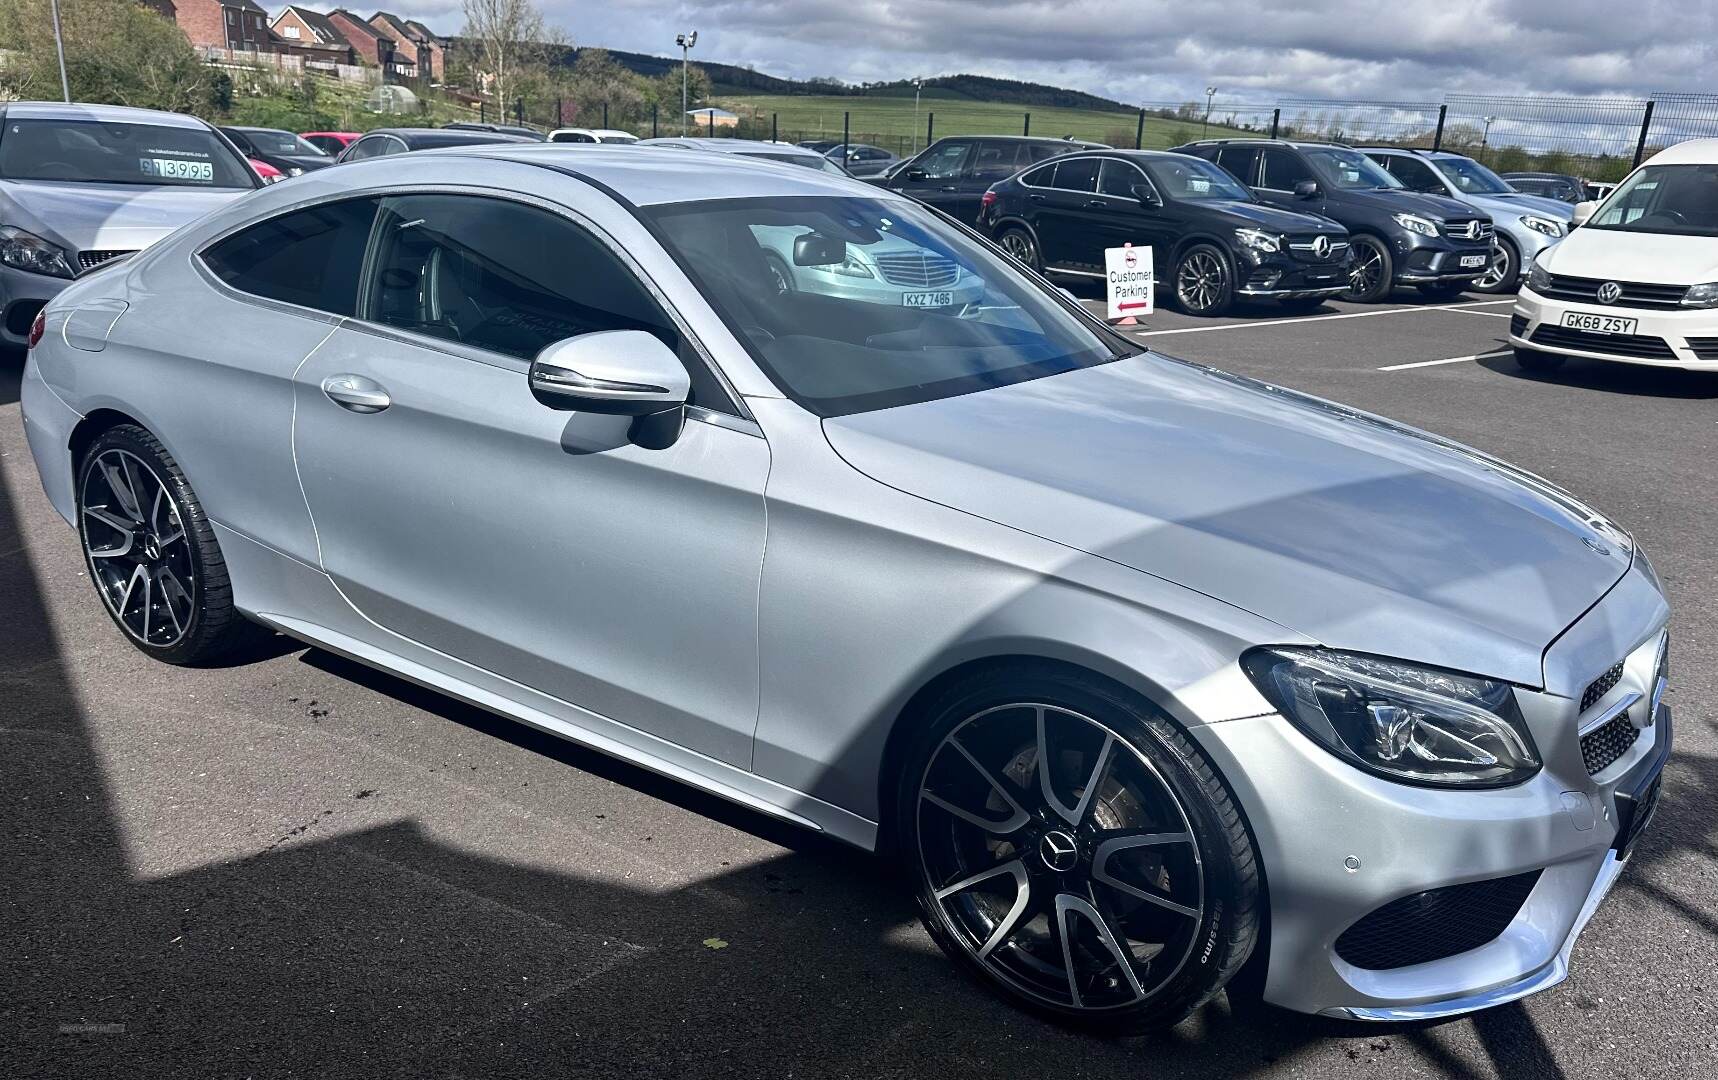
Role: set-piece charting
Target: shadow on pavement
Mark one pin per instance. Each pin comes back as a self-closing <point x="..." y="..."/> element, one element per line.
<point x="1637" y="380"/>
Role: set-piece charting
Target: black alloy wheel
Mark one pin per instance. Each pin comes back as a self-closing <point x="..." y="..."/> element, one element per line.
<point x="1019" y="243"/>
<point x="1370" y="270"/>
<point x="1078" y="854"/>
<point x="1203" y="283"/>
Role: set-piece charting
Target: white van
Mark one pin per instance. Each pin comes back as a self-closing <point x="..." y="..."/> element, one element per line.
<point x="1637" y="280"/>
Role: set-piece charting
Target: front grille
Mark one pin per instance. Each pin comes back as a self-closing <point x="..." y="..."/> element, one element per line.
<point x="1605" y="744"/>
<point x="1634" y="293"/>
<point x="1435" y="925"/>
<point x="1301" y="248"/>
<point x="1474" y="229"/>
<point x="918" y="270"/>
<point x="89" y="259"/>
<point x="1518" y="325"/>
<point x="1601" y="686"/>
<point x="1706" y="348"/>
<point x="1638" y="345"/>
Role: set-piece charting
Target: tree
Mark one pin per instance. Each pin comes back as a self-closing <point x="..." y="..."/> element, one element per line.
<point x="598" y="80"/>
<point x="511" y="40"/>
<point x="667" y="88"/>
<point x="117" y="52"/>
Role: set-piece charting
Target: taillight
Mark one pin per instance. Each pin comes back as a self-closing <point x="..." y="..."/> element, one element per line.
<point x="38" y="327"/>
<point x="987" y="202"/>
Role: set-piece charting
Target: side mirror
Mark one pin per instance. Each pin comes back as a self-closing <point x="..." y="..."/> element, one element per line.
<point x="815" y="249"/>
<point x="1306" y="189"/>
<point x="1145" y="195"/>
<point x="1583" y="211"/>
<point x="617" y="372"/>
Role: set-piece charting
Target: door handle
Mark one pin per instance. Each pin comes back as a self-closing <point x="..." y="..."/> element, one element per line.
<point x="949" y="187"/>
<point x="356" y="393"/>
<point x="1035" y="197"/>
<point x="1092" y="204"/>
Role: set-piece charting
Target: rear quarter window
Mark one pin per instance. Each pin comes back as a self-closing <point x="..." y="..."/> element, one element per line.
<point x="309" y="257"/>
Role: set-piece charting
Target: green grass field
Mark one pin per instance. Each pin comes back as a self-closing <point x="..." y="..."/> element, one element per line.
<point x="888" y="121"/>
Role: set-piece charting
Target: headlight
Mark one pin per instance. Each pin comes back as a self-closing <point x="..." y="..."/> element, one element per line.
<point x="1542" y="225"/>
<point x="295" y="171"/>
<point x="852" y="267"/>
<point x="1701" y="295"/>
<point x="1259" y="240"/>
<point x="1398" y="720"/>
<point x="26" y="251"/>
<point x="1416" y="223"/>
<point x="1538" y="278"/>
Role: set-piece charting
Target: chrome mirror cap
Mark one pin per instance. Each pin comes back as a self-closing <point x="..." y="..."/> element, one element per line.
<point x="618" y="372"/>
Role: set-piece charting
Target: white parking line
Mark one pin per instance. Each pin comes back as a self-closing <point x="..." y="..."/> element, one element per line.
<point x="1300" y="320"/>
<point x="1448" y="360"/>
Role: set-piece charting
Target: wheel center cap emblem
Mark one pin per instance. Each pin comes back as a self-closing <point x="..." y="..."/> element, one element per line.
<point x="151" y="548"/>
<point x="1058" y="851"/>
<point x="1608" y="292"/>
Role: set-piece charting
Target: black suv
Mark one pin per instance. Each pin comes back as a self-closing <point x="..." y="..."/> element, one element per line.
<point x="953" y="174"/>
<point x="1399" y="237"/>
<point x="1210" y="239"/>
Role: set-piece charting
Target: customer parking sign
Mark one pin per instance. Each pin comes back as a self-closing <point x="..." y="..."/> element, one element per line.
<point x="1131" y="280"/>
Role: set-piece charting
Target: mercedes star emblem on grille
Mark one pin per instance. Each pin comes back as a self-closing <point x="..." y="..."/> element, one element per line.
<point x="1321" y="246"/>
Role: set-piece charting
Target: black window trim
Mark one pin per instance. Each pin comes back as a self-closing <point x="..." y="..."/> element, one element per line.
<point x="1263" y="150"/>
<point x="383" y="137"/>
<point x="1256" y="170"/>
<point x="734" y="407"/>
<point x="1143" y="175"/>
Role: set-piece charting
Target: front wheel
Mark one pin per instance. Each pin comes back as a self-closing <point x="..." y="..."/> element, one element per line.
<point x="1371" y="271"/>
<point x="1203" y="283"/>
<point x="1073" y="849"/>
<point x="1503" y="273"/>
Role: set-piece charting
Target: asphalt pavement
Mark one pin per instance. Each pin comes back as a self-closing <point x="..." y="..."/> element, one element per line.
<point x="293" y="866"/>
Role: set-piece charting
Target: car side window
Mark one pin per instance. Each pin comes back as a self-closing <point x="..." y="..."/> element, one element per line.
<point x="1241" y="162"/>
<point x="1036" y="152"/>
<point x="946" y="161"/>
<point x="1119" y="178"/>
<point x="366" y="148"/>
<point x="1077" y="174"/>
<point x="1415" y="175"/>
<point x="309" y="257"/>
<point x="995" y="161"/>
<point x="1283" y="170"/>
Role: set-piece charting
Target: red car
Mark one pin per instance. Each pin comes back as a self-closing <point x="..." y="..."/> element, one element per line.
<point x="330" y="142"/>
<point x="263" y="169"/>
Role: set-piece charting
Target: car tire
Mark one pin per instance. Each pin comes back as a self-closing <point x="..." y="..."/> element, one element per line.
<point x="1539" y="363"/>
<point x="1019" y="242"/>
<point x="1118" y="909"/>
<point x="1504" y="273"/>
<point x="151" y="552"/>
<point x="1204" y="283"/>
<point x="1371" y="271"/>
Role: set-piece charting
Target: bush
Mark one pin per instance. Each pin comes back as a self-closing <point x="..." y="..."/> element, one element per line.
<point x="117" y="52"/>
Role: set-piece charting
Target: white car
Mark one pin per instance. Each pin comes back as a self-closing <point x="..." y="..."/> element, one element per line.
<point x="592" y="135"/>
<point x="1637" y="281"/>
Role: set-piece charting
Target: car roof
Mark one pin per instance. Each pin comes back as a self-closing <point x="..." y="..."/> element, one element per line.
<point x="729" y="146"/>
<point x="668" y="175"/>
<point x="1086" y="144"/>
<point x="1299" y="143"/>
<point x="104" y="114"/>
<point x="440" y="137"/>
<point x="247" y="127"/>
<point x="1690" y="152"/>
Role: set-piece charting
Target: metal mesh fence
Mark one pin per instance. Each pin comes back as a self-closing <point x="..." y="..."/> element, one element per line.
<point x="1591" y="137"/>
<point x="1360" y="123"/>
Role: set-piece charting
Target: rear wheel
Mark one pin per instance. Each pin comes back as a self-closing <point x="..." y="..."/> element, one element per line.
<point x="1074" y="850"/>
<point x="1203" y="283"/>
<point x="1019" y="243"/>
<point x="152" y="554"/>
<point x="1371" y="271"/>
<point x="1540" y="363"/>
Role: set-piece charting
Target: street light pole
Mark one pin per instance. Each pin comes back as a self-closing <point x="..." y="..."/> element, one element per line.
<point x="1485" y="136"/>
<point x="685" y="41"/>
<point x="917" y="83"/>
<point x="60" y="48"/>
<point x="1210" y="92"/>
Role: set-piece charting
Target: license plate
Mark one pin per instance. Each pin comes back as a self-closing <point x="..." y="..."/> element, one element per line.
<point x="928" y="299"/>
<point x="1471" y="261"/>
<point x="1597" y="324"/>
<point x="176" y="169"/>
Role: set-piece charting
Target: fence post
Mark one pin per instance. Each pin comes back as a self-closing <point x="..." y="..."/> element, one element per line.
<point x="653" y="108"/>
<point x="712" y="115"/>
<point x="481" y="104"/>
<point x="930" y="126"/>
<point x="1438" y="135"/>
<point x="1645" y="128"/>
<point x="775" y="120"/>
<point x="519" y="110"/>
<point x="1139" y="132"/>
<point x="1276" y="121"/>
<point x="605" y="114"/>
<point x="1026" y="128"/>
<point x="846" y="128"/>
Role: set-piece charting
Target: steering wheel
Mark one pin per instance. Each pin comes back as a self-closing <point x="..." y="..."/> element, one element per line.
<point x="1675" y="217"/>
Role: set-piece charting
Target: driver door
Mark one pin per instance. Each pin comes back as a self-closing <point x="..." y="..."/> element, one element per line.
<point x="456" y="511"/>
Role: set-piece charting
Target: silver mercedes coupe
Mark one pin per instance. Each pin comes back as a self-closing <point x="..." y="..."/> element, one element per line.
<point x="1146" y="673"/>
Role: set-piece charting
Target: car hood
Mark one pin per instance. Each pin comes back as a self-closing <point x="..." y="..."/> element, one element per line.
<point x="1355" y="531"/>
<point x="1400" y="201"/>
<point x="105" y="217"/>
<point x="1277" y="220"/>
<point x="1516" y="203"/>
<point x="1614" y="255"/>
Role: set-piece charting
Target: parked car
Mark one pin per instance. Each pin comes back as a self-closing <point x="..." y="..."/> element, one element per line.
<point x="1637" y="281"/>
<point x="267" y="173"/>
<point x="822" y="146"/>
<point x="751" y="148"/>
<point x="862" y="159"/>
<point x="1524" y="224"/>
<point x="82" y="185"/>
<point x="520" y="131"/>
<point x="1559" y="186"/>
<point x="330" y="142"/>
<point x="592" y="135"/>
<point x="1212" y="240"/>
<point x="893" y="272"/>
<point x="1139" y="666"/>
<point x="952" y="174"/>
<point x="1400" y="238"/>
<point x="1597" y="191"/>
<point x="384" y="141"/>
<point x="283" y="150"/>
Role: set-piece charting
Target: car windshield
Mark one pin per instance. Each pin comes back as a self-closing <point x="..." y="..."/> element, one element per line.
<point x="1349" y="169"/>
<point x="851" y="304"/>
<point x="1194" y="178"/>
<point x="89" y="151"/>
<point x="809" y="161"/>
<point x="1680" y="199"/>
<point x="282" y="142"/>
<point x="1472" y="178"/>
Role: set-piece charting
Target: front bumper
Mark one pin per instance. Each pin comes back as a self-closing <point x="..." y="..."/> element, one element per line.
<point x="1338" y="844"/>
<point x="1663" y="337"/>
<point x="22" y="295"/>
<point x="1428" y="260"/>
<point x="1286" y="277"/>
